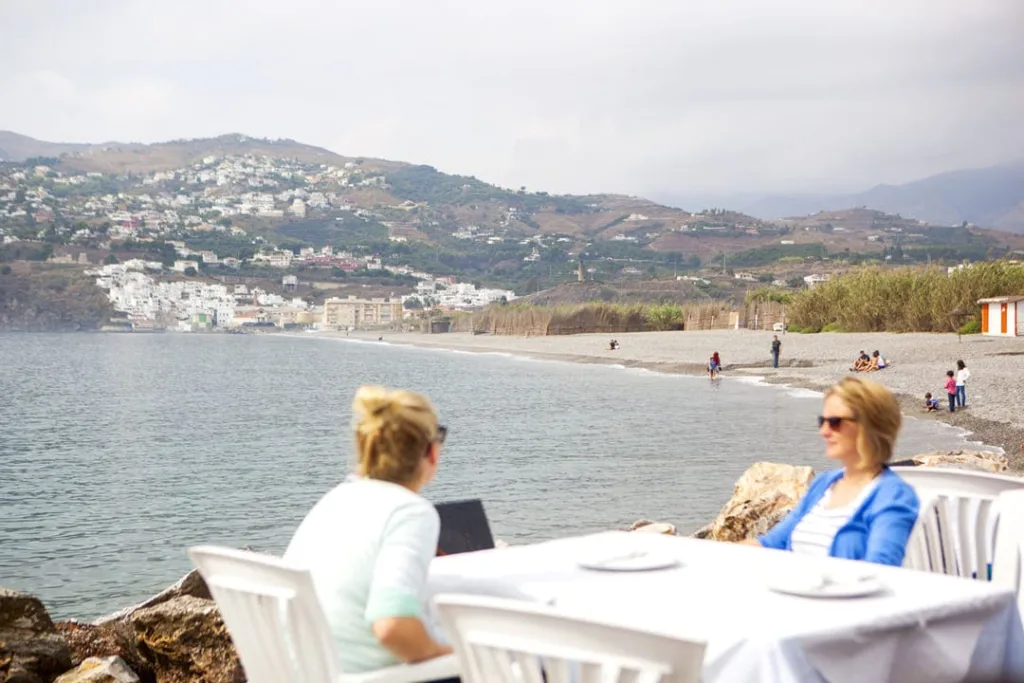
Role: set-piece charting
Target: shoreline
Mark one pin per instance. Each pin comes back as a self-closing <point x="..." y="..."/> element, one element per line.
<point x="814" y="369"/>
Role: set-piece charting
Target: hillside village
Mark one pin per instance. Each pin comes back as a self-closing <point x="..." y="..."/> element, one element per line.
<point x="236" y="226"/>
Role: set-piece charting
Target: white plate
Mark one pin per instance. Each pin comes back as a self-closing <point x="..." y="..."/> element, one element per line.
<point x="825" y="585"/>
<point x="637" y="561"/>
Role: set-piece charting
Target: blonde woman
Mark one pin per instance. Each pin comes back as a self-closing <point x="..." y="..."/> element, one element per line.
<point x="368" y="543"/>
<point x="863" y="510"/>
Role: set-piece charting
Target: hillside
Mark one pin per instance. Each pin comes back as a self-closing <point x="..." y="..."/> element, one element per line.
<point x="37" y="298"/>
<point x="15" y="147"/>
<point x="119" y="157"/>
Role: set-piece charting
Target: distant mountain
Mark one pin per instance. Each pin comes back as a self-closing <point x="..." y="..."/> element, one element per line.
<point x="990" y="197"/>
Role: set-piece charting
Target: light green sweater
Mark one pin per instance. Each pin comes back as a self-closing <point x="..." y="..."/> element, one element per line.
<point x="368" y="545"/>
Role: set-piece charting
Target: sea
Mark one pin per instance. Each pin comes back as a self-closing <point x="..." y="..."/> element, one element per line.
<point x="118" y="452"/>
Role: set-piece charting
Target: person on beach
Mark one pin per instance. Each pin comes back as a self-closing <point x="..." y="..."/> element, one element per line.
<point x="951" y="390"/>
<point x="877" y="361"/>
<point x="776" y="350"/>
<point x="863" y="510"/>
<point x="368" y="542"/>
<point x="862" y="363"/>
<point x="962" y="375"/>
<point x="930" y="404"/>
<point x="714" y="365"/>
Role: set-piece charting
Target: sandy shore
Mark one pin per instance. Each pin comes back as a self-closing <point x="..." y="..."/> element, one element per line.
<point x="995" y="392"/>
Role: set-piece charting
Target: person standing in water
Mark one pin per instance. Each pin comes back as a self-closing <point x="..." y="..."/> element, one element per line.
<point x="714" y="365"/>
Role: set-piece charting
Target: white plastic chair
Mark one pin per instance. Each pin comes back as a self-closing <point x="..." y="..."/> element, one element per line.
<point x="276" y="622"/>
<point x="508" y="641"/>
<point x="964" y="482"/>
<point x="1008" y="564"/>
<point x="955" y="531"/>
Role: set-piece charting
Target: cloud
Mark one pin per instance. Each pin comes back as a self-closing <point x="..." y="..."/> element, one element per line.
<point x="562" y="95"/>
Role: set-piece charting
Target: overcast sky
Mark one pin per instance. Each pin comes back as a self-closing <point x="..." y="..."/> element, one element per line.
<point x="637" y="96"/>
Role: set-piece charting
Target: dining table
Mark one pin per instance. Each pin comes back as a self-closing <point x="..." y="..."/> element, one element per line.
<point x="764" y="615"/>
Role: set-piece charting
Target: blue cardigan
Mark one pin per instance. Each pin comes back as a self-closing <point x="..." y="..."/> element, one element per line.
<point x="877" y="531"/>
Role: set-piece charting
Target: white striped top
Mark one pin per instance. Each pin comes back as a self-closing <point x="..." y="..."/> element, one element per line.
<point x="814" y="533"/>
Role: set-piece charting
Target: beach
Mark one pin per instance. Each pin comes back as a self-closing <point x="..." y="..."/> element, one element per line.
<point x="918" y="364"/>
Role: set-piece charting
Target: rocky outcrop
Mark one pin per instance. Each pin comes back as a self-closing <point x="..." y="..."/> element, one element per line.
<point x="185" y="641"/>
<point x="762" y="496"/>
<point x="191" y="584"/>
<point x="985" y="461"/>
<point x="100" y="670"/>
<point x="31" y="650"/>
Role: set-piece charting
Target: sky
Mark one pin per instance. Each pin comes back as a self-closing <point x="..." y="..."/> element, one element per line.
<point x="641" y="97"/>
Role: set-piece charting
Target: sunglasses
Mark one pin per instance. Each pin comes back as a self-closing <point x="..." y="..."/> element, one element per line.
<point x="442" y="434"/>
<point x="834" y="423"/>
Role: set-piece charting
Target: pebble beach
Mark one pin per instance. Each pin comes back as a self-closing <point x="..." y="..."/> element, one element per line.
<point x="918" y="364"/>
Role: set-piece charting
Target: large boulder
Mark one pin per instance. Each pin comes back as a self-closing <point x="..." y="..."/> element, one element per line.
<point x="100" y="670"/>
<point x="112" y="639"/>
<point x="763" y="495"/>
<point x="986" y="461"/>
<point x="186" y="641"/>
<point x="31" y="650"/>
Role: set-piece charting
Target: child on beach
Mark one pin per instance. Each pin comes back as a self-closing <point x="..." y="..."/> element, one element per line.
<point x="714" y="365"/>
<point x="951" y="390"/>
<point x="930" y="404"/>
<point x="962" y="375"/>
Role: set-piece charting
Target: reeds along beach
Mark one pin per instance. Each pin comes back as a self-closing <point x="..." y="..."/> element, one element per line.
<point x="918" y="364"/>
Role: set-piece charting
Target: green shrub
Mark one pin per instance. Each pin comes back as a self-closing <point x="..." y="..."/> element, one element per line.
<point x="831" y="327"/>
<point x="970" y="327"/>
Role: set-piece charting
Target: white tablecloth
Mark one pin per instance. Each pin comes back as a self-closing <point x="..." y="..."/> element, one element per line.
<point x="925" y="628"/>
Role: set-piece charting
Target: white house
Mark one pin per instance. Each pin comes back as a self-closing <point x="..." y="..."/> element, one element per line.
<point x="1002" y="316"/>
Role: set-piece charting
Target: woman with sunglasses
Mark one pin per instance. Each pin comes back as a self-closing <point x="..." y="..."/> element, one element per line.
<point x="863" y="510"/>
<point x="368" y="543"/>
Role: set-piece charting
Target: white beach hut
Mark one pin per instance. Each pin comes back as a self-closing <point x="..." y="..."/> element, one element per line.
<point x="1002" y="316"/>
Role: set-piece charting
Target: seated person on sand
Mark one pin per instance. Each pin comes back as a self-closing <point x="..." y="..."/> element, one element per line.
<point x="371" y="574"/>
<point x="930" y="404"/>
<point x="861" y="364"/>
<point x="613" y="344"/>
<point x="862" y="510"/>
<point x="877" y="362"/>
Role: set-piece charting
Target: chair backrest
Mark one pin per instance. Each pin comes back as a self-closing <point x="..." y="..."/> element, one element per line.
<point x="273" y="614"/>
<point x="509" y="641"/>
<point x="953" y="535"/>
<point x="955" y="532"/>
<point x="1008" y="564"/>
<point x="964" y="482"/>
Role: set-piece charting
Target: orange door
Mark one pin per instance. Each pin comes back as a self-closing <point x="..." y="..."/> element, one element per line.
<point x="1002" y="318"/>
<point x="984" y="318"/>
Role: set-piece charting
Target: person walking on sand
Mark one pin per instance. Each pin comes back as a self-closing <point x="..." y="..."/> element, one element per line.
<point x="951" y="390"/>
<point x="776" y="350"/>
<point x="962" y="375"/>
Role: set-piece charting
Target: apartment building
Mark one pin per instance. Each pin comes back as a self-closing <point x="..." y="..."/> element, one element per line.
<point x="354" y="312"/>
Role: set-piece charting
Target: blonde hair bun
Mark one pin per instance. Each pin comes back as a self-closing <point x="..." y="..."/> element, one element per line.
<point x="393" y="429"/>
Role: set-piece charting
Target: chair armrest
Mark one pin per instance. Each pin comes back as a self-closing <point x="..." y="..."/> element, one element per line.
<point x="436" y="669"/>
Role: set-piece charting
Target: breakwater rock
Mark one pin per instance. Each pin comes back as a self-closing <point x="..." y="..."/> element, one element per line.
<point x="177" y="636"/>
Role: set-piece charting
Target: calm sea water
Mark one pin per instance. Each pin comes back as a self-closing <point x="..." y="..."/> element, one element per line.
<point x="117" y="452"/>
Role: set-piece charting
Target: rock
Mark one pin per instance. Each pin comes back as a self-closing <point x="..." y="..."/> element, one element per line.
<point x="113" y="639"/>
<point x="650" y="527"/>
<point x="190" y="584"/>
<point x="762" y="496"/>
<point x="100" y="670"/>
<point x="186" y="641"/>
<point x="985" y="461"/>
<point x="31" y="650"/>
